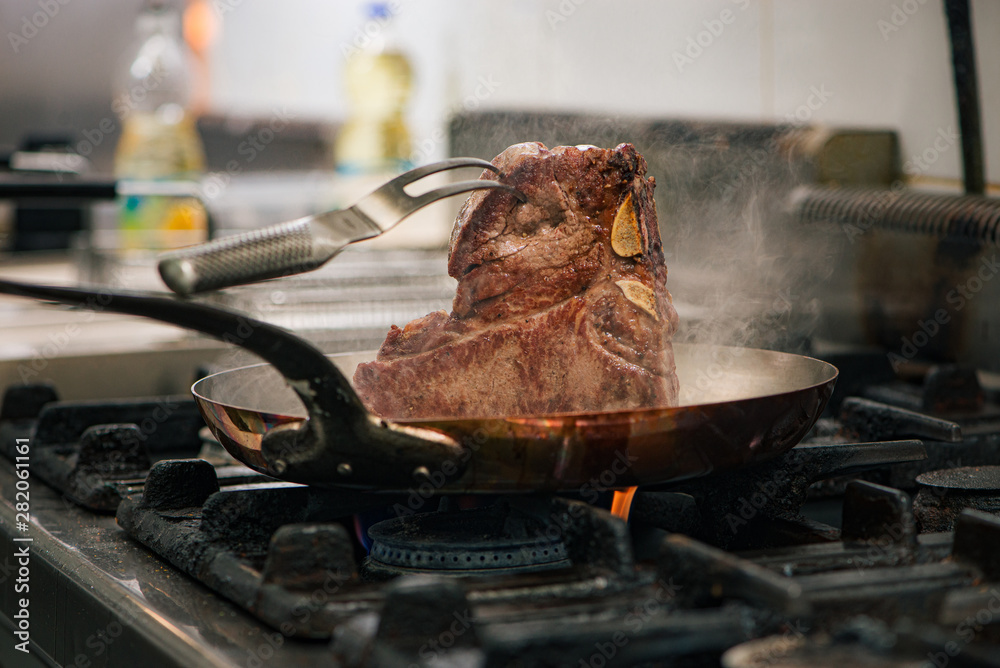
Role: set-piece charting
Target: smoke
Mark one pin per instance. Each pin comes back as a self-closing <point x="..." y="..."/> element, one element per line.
<point x="739" y="271"/>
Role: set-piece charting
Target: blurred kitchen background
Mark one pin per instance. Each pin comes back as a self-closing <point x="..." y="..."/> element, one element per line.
<point x="594" y="56"/>
<point x="735" y="103"/>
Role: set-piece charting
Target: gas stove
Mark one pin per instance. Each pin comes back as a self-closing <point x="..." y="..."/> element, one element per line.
<point x="874" y="540"/>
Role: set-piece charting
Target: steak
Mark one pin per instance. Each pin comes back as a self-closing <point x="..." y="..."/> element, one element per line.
<point x="561" y="304"/>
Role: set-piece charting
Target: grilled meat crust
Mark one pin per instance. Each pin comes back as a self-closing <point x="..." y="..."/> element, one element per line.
<point x="561" y="303"/>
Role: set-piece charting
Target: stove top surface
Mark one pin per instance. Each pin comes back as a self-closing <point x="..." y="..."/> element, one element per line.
<point x="160" y="551"/>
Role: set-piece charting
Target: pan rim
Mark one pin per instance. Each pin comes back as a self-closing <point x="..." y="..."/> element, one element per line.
<point x="830" y="373"/>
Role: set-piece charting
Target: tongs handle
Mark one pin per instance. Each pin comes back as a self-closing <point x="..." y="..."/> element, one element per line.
<point x="307" y="243"/>
<point x="271" y="252"/>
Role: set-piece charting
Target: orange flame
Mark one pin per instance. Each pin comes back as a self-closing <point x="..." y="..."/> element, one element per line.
<point x="622" y="503"/>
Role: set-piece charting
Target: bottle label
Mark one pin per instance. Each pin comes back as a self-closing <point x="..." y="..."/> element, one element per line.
<point x="161" y="221"/>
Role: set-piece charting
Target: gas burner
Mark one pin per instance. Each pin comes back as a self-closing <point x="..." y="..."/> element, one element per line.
<point x="277" y="548"/>
<point x="482" y="541"/>
<point x="944" y="494"/>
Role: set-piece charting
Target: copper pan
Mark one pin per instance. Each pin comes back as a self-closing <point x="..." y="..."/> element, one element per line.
<point x="298" y="418"/>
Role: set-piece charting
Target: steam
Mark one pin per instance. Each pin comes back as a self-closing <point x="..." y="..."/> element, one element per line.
<point x="740" y="272"/>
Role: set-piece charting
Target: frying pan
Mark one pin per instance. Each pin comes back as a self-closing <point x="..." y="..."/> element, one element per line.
<point x="738" y="406"/>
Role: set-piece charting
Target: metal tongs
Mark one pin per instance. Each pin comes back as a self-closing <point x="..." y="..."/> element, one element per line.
<point x="308" y="243"/>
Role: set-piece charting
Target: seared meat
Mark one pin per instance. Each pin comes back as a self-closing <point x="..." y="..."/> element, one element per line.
<point x="561" y="305"/>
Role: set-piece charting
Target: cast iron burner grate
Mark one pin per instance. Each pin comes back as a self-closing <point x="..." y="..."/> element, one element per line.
<point x="94" y="452"/>
<point x="278" y="549"/>
<point x="482" y="541"/>
<point x="956" y="419"/>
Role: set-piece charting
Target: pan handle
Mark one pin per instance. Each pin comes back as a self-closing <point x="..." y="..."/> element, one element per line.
<point x="340" y="444"/>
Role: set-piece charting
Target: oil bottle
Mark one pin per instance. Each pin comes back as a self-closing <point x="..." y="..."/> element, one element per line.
<point x="378" y="80"/>
<point x="159" y="140"/>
